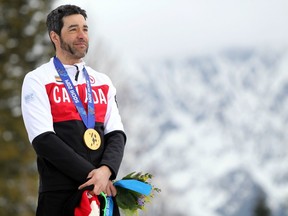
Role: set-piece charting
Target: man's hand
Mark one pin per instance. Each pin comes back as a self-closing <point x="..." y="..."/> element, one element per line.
<point x="100" y="179"/>
<point x="110" y="189"/>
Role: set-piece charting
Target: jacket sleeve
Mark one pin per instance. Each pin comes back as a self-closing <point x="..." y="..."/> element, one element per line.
<point x="51" y="148"/>
<point x="115" y="137"/>
<point x="114" y="150"/>
<point x="35" y="106"/>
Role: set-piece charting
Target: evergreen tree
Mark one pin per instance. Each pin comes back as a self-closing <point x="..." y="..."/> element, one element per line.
<point x="261" y="209"/>
<point x="24" y="44"/>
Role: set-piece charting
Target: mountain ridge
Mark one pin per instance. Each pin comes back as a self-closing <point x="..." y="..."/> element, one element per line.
<point x="212" y="131"/>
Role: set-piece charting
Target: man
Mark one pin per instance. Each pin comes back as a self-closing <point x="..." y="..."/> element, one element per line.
<point x="71" y="117"/>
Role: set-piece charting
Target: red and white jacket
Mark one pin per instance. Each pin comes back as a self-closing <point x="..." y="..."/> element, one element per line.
<point x="56" y="130"/>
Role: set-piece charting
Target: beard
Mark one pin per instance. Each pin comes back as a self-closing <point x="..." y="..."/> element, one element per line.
<point x="72" y="50"/>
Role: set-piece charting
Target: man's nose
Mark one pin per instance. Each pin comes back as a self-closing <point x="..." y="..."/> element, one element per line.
<point x="81" y="34"/>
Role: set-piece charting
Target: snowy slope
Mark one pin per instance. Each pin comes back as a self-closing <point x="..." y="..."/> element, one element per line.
<point x="212" y="130"/>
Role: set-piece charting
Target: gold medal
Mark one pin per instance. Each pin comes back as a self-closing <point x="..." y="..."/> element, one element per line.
<point x="92" y="139"/>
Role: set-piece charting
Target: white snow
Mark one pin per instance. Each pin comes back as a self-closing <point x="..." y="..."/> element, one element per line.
<point x="211" y="129"/>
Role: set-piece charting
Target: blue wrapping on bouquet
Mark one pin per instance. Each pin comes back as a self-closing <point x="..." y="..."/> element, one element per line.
<point x="135" y="185"/>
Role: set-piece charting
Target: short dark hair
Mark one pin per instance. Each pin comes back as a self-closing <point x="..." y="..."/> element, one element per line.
<point x="54" y="20"/>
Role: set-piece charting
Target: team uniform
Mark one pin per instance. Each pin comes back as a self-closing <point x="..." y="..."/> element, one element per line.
<point x="56" y="129"/>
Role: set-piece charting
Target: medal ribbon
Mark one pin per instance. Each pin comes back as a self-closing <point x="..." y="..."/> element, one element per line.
<point x="87" y="117"/>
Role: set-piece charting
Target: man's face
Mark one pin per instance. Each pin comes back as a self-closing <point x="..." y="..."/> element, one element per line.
<point x="74" y="40"/>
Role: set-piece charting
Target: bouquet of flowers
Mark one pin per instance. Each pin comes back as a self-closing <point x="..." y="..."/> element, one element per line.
<point x="133" y="191"/>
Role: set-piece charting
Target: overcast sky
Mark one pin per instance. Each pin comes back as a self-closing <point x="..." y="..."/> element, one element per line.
<point x="167" y="28"/>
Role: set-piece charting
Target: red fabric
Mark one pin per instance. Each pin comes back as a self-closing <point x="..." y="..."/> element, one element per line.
<point x="84" y="209"/>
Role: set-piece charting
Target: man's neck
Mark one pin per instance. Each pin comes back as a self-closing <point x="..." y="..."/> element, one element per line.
<point x="67" y="60"/>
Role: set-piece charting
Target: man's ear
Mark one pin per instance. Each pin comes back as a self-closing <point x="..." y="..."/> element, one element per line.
<point x="54" y="37"/>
